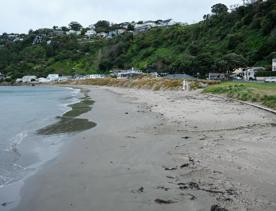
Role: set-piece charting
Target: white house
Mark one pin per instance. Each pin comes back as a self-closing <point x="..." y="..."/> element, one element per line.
<point x="58" y="32"/>
<point x="2" y="76"/>
<point x="90" y="33"/>
<point x="95" y="76"/>
<point x="43" y="80"/>
<point x="18" y="80"/>
<point x="102" y="34"/>
<point x="274" y="65"/>
<point x="65" y="78"/>
<point x="129" y="73"/>
<point x="216" y="76"/>
<point x="250" y="73"/>
<point x="29" y="78"/>
<point x="53" y="77"/>
<point x="72" y="32"/>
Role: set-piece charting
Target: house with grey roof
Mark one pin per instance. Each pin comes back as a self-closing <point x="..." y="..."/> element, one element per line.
<point x="2" y="76"/>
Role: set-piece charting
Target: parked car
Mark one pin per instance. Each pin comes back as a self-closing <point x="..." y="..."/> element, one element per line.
<point x="271" y="80"/>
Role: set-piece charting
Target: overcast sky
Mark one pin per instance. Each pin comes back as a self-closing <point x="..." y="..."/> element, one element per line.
<point x="22" y="15"/>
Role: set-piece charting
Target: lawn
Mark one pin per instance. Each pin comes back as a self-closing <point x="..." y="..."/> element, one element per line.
<point x="263" y="93"/>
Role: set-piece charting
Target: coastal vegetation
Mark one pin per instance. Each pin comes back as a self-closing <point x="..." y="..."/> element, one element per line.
<point x="155" y="84"/>
<point x="224" y="40"/>
<point x="263" y="93"/>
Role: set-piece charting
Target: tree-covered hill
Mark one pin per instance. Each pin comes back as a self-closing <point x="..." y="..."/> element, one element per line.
<point x="221" y="42"/>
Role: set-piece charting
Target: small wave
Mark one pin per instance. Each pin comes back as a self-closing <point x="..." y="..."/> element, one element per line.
<point x="15" y="141"/>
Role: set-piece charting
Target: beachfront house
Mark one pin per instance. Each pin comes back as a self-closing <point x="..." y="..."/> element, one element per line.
<point x="249" y="74"/>
<point x="18" y="80"/>
<point x="95" y="76"/>
<point x="124" y="74"/>
<point x="65" y="78"/>
<point x="274" y="65"/>
<point x="216" y="76"/>
<point x="29" y="78"/>
<point x="53" y="77"/>
<point x="179" y="76"/>
<point x="2" y="76"/>
<point x="43" y="80"/>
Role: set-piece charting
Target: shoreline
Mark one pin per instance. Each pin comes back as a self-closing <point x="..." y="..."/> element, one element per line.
<point x="187" y="151"/>
<point x="10" y="193"/>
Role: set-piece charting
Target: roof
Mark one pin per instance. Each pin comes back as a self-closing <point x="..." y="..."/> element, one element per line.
<point x="178" y="76"/>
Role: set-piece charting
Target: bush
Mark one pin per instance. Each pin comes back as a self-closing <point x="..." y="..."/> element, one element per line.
<point x="265" y="74"/>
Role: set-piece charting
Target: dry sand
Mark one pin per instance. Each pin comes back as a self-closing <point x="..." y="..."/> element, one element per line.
<point x="163" y="150"/>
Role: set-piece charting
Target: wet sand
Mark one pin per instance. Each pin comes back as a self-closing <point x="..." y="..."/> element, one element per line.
<point x="161" y="151"/>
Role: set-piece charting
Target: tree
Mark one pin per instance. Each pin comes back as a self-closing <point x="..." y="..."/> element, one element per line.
<point x="130" y="27"/>
<point x="75" y="26"/>
<point x="231" y="61"/>
<point x="219" y="9"/>
<point x="102" y="26"/>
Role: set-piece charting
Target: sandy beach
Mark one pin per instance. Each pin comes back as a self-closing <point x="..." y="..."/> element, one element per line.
<point x="165" y="150"/>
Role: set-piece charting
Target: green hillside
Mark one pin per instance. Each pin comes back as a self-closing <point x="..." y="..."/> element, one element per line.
<point x="222" y="41"/>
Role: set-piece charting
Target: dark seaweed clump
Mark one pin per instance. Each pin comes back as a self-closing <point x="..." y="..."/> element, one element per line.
<point x="68" y="123"/>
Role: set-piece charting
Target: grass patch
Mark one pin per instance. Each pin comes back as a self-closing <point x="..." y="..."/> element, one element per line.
<point x="263" y="93"/>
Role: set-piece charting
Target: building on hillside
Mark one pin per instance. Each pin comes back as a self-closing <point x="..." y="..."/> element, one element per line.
<point x="29" y="78"/>
<point x="53" y="77"/>
<point x="216" y="76"/>
<point x="58" y="32"/>
<point x="90" y="33"/>
<point x="102" y="35"/>
<point x="38" y="39"/>
<point x="274" y="65"/>
<point x="73" y="32"/>
<point x="124" y="25"/>
<point x="92" y="26"/>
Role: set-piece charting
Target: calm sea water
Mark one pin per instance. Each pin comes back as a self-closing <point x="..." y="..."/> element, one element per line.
<point x="23" y="110"/>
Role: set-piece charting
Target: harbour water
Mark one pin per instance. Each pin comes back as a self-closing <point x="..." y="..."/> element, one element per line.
<point x="24" y="110"/>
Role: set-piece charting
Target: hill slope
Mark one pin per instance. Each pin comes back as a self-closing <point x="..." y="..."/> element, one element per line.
<point x="221" y="42"/>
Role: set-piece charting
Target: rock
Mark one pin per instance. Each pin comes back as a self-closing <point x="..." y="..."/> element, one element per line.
<point x="4" y="204"/>
<point x="126" y="112"/>
<point x="217" y="208"/>
<point x="141" y="190"/>
<point x="163" y="188"/>
<point x="184" y="165"/>
<point x="192" y="197"/>
<point x="162" y="201"/>
<point x="170" y="169"/>
<point x="185" y="137"/>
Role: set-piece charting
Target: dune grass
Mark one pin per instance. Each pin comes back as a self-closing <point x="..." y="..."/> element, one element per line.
<point x="155" y="84"/>
<point x="140" y="83"/>
<point x="263" y="93"/>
